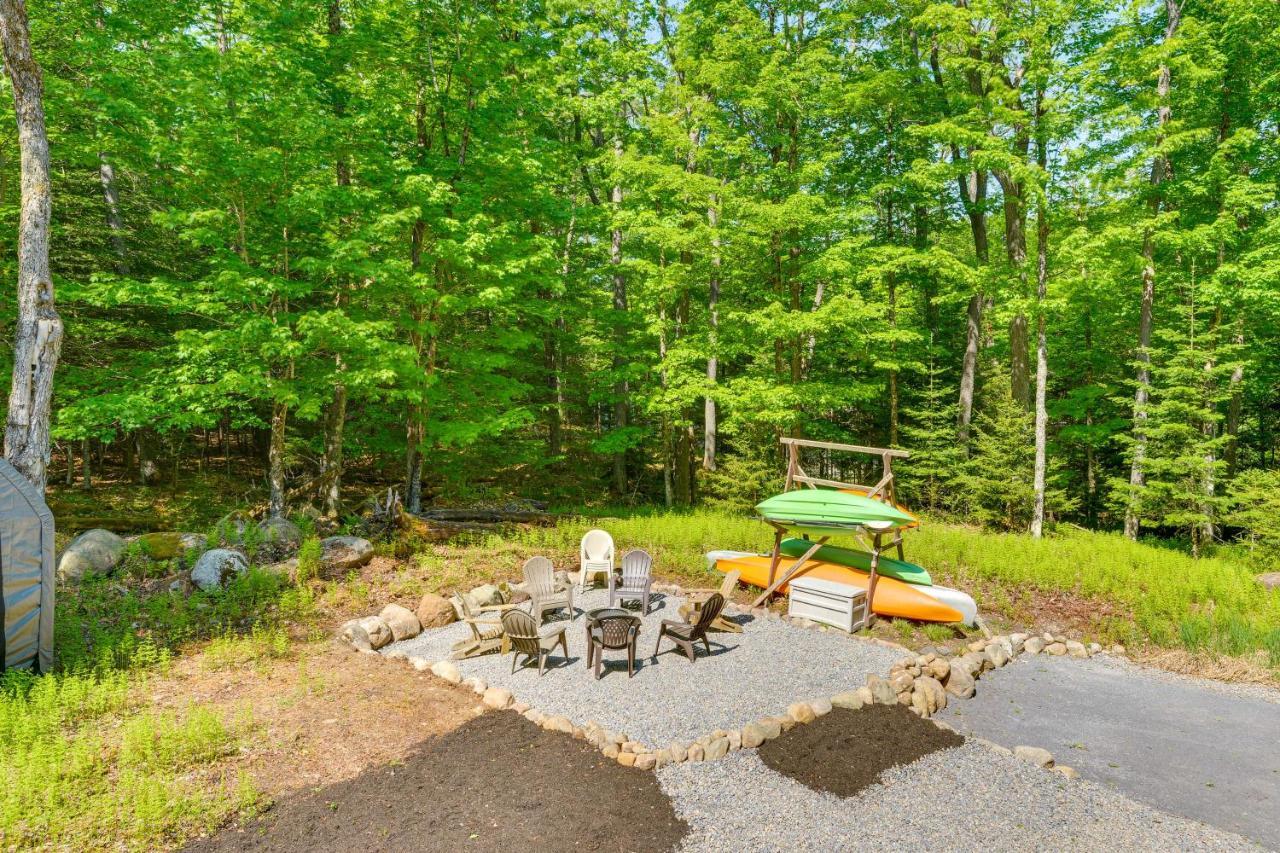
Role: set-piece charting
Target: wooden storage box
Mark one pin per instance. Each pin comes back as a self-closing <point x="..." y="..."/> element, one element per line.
<point x="837" y="604"/>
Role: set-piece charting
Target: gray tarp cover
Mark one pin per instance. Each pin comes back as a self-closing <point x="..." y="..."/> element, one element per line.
<point x="26" y="572"/>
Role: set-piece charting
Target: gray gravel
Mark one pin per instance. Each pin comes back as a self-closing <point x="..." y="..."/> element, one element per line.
<point x="750" y="675"/>
<point x="1198" y="752"/>
<point x="967" y="798"/>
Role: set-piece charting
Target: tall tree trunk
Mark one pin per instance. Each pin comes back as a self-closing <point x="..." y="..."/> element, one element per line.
<point x="145" y="442"/>
<point x="973" y="190"/>
<point x="969" y="367"/>
<point x="620" y="306"/>
<point x="86" y="465"/>
<point x="709" y="424"/>
<point x="1236" y="402"/>
<point x="336" y="414"/>
<point x="38" y="333"/>
<point x="275" y="459"/>
<point x="1042" y="349"/>
<point x="1142" y="396"/>
<point x="115" y="223"/>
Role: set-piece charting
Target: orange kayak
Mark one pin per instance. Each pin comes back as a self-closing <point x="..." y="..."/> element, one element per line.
<point x="893" y="597"/>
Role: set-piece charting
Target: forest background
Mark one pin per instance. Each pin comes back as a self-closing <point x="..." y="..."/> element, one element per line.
<point x="593" y="252"/>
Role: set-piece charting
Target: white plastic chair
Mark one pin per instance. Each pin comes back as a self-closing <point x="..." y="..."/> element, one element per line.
<point x="595" y="555"/>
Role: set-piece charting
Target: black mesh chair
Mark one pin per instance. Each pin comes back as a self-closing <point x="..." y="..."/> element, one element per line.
<point x="522" y="633"/>
<point x="685" y="634"/>
<point x="613" y="632"/>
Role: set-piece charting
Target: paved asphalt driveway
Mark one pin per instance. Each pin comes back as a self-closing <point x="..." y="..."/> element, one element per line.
<point x="1168" y="742"/>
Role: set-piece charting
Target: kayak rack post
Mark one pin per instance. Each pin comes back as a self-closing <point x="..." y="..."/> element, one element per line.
<point x="791" y="572"/>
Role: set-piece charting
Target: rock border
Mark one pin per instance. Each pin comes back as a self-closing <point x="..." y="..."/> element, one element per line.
<point x="921" y="682"/>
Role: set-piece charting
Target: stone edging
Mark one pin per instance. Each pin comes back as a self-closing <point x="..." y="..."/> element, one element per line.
<point x="922" y="683"/>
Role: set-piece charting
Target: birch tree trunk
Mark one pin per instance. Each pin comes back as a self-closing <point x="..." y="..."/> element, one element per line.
<point x="709" y="425"/>
<point x="1042" y="349"/>
<point x="38" y="332"/>
<point x="1142" y="396"/>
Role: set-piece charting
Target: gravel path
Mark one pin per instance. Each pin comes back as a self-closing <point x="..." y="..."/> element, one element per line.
<point x="753" y="674"/>
<point x="967" y="798"/>
<point x="1169" y="742"/>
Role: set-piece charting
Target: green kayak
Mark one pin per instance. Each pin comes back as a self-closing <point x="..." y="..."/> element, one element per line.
<point x="825" y="509"/>
<point x="860" y="560"/>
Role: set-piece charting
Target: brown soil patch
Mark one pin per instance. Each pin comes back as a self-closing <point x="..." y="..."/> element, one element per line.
<point x="845" y="751"/>
<point x="497" y="782"/>
<point x="322" y="714"/>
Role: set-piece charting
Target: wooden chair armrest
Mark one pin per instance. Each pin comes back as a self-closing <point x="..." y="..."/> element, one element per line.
<point x="475" y="620"/>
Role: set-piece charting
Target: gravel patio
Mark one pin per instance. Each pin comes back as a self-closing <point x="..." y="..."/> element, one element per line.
<point x="748" y="676"/>
<point x="967" y="798"/>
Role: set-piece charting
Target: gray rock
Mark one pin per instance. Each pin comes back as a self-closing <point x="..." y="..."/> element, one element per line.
<point x="378" y="630"/>
<point x="403" y="623"/>
<point x="346" y="552"/>
<point x="997" y="654"/>
<point x="1269" y="580"/>
<point x="484" y="595"/>
<point x="92" y="552"/>
<point x="1033" y="645"/>
<point x="881" y="691"/>
<point x="1034" y="754"/>
<point x="850" y="699"/>
<point x="216" y="567"/>
<point x="1056" y="648"/>
<point x="280" y="534"/>
<point x="1076" y="649"/>
<point x="357" y="636"/>
<point x="960" y="683"/>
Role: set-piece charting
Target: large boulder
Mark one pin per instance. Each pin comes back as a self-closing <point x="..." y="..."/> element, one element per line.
<point x="216" y="567"/>
<point x="1269" y="580"/>
<point x="403" y="623"/>
<point x="92" y="552"/>
<point x="435" y="611"/>
<point x="484" y="595"/>
<point x="345" y="552"/>
<point x="280" y="533"/>
<point x="167" y="545"/>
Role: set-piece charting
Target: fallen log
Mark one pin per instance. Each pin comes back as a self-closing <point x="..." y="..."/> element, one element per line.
<point x="480" y="515"/>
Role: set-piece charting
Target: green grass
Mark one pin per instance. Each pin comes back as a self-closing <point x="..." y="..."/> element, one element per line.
<point x="87" y="764"/>
<point x="1169" y="598"/>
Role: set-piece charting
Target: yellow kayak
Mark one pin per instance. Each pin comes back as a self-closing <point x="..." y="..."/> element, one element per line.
<point x="892" y="598"/>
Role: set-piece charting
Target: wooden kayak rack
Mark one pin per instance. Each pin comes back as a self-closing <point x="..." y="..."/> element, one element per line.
<point x="883" y="491"/>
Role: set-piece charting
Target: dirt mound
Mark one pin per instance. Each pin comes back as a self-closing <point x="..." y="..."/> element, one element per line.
<point x="845" y="751"/>
<point x="495" y="783"/>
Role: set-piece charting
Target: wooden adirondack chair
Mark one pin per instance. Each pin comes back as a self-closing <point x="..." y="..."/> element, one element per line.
<point x="486" y="631"/>
<point x="698" y="597"/>
<point x="685" y="635"/>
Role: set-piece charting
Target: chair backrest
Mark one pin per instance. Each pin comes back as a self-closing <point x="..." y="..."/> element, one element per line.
<point x="463" y="610"/>
<point x="521" y="630"/>
<point x="729" y="584"/>
<point x="616" y="631"/>
<point x="636" y="566"/>
<point x="710" y="610"/>
<point x="539" y="576"/>
<point x="597" y="546"/>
